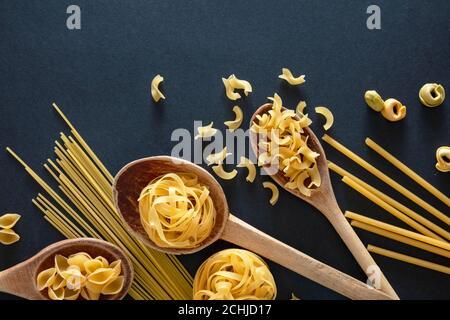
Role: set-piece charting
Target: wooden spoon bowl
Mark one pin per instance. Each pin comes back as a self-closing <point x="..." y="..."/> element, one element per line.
<point x="20" y="280"/>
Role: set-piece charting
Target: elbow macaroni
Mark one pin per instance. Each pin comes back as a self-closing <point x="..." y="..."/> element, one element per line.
<point x="206" y="131"/>
<point x="432" y="94"/>
<point x="156" y="93"/>
<point x="231" y="83"/>
<point x="374" y="100"/>
<point x="236" y="123"/>
<point x="300" y="110"/>
<point x="328" y="116"/>
<point x="443" y="159"/>
<point x="286" y="74"/>
<point x="217" y="158"/>
<point x="275" y="192"/>
<point x="247" y="163"/>
<point x="220" y="171"/>
<point x="393" y="110"/>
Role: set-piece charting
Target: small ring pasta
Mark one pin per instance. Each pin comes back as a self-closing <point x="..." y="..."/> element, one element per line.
<point x="9" y="220"/>
<point x="324" y="111"/>
<point x="432" y="94"/>
<point x="217" y="158"/>
<point x="393" y="110"/>
<point x="236" y="123"/>
<point x="156" y="93"/>
<point x="443" y="159"/>
<point x="220" y="172"/>
<point x="234" y="274"/>
<point x="275" y="192"/>
<point x="206" y="131"/>
<point x="247" y="163"/>
<point x="286" y="74"/>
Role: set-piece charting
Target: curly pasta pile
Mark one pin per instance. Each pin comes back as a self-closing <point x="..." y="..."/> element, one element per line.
<point x="234" y="274"/>
<point x="283" y="142"/>
<point x="177" y="211"/>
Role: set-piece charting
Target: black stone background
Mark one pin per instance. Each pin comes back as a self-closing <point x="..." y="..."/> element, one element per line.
<point x="100" y="76"/>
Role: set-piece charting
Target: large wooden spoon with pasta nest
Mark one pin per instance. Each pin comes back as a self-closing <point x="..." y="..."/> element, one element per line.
<point x="324" y="200"/>
<point x="20" y="280"/>
<point x="136" y="175"/>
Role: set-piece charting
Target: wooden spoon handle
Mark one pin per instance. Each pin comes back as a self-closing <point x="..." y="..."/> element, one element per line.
<point x="357" y="248"/>
<point x="18" y="281"/>
<point x="246" y="236"/>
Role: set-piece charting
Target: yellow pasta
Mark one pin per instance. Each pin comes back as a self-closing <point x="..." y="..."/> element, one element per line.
<point x="328" y="116"/>
<point x="234" y="274"/>
<point x="8" y="236"/>
<point x="229" y="90"/>
<point x="432" y="94"/>
<point x="206" y="131"/>
<point x="300" y="109"/>
<point x="393" y="110"/>
<point x="236" y="123"/>
<point x="383" y="177"/>
<point x="177" y="211"/>
<point x="156" y="93"/>
<point x="275" y="192"/>
<point x="408" y="259"/>
<point x="247" y="163"/>
<point x="236" y="83"/>
<point x="69" y="278"/>
<point x="410" y="173"/>
<point x="220" y="171"/>
<point x="9" y="220"/>
<point x="374" y="100"/>
<point x="286" y="74"/>
<point x="283" y="143"/>
<point x="217" y="158"/>
<point x="443" y="159"/>
<point x="394" y="203"/>
<point x="294" y="297"/>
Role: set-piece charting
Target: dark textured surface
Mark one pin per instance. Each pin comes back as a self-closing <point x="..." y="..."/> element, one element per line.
<point x="100" y="76"/>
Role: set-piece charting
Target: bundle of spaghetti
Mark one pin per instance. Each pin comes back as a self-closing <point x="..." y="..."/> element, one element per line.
<point x="408" y="259"/>
<point x="388" y="203"/>
<point x="383" y="177"/>
<point x="408" y="171"/>
<point x="86" y="182"/>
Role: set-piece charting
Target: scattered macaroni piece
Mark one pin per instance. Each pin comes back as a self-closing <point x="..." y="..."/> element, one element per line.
<point x="71" y="278"/>
<point x="219" y="170"/>
<point x="236" y="123"/>
<point x="275" y="192"/>
<point x="300" y="110"/>
<point x="234" y="274"/>
<point x="432" y="94"/>
<point x="374" y="100"/>
<point x="393" y="110"/>
<point x="229" y="90"/>
<point x="156" y="93"/>
<point x="443" y="159"/>
<point x="282" y="142"/>
<point x="328" y="116"/>
<point x="286" y="74"/>
<point x="247" y="163"/>
<point x="9" y="220"/>
<point x="217" y="158"/>
<point x="236" y="83"/>
<point x="8" y="236"/>
<point x="294" y="297"/>
<point x="206" y="131"/>
<point x="177" y="211"/>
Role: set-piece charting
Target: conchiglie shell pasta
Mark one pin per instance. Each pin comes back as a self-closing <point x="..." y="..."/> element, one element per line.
<point x="92" y="265"/>
<point x="56" y="294"/>
<point x="101" y="276"/>
<point x="114" y="286"/>
<point x="71" y="294"/>
<point x="45" y="278"/>
<point x="78" y="260"/>
<point x="9" y="220"/>
<point x="8" y="236"/>
<point x="103" y="260"/>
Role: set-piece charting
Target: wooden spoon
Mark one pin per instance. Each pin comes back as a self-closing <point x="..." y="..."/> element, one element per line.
<point x="130" y="181"/>
<point x="324" y="200"/>
<point x="20" y="280"/>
